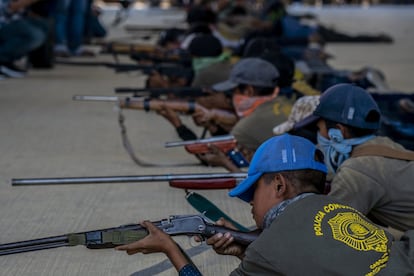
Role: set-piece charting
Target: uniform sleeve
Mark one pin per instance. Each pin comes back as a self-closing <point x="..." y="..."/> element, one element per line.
<point x="189" y="270"/>
<point x="254" y="264"/>
<point x="357" y="189"/>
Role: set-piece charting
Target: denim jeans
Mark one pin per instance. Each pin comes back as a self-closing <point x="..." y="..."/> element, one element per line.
<point x="69" y="18"/>
<point x="19" y="37"/>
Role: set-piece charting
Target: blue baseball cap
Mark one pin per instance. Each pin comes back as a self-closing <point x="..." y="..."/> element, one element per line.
<point x="347" y="104"/>
<point x="278" y="154"/>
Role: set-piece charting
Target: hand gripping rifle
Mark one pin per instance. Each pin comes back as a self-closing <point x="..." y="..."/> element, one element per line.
<point x="191" y="225"/>
<point x="226" y="143"/>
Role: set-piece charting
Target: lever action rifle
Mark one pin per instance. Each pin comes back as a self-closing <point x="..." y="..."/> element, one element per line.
<point x="226" y="143"/>
<point x="183" y="181"/>
<point x="191" y="225"/>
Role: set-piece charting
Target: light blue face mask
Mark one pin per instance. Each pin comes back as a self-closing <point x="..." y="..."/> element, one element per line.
<point x="337" y="149"/>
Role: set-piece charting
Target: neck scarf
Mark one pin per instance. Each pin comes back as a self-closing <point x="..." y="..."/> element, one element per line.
<point x="279" y="208"/>
<point x="200" y="63"/>
<point x="245" y="105"/>
<point x="337" y="149"/>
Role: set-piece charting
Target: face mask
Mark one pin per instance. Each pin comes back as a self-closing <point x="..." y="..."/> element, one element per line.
<point x="245" y="105"/>
<point x="337" y="149"/>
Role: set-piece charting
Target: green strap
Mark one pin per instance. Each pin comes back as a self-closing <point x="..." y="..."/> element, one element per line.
<point x="115" y="237"/>
<point x="211" y="211"/>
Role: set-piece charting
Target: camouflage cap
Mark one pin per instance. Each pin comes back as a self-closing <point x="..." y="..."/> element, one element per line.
<point x="301" y="109"/>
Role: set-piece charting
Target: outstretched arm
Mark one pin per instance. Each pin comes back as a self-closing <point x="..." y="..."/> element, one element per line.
<point x="157" y="242"/>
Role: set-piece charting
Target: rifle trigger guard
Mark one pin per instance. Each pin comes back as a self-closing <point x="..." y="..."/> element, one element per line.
<point x="195" y="243"/>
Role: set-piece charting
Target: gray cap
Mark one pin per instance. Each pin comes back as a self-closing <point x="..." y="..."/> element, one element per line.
<point x="350" y="105"/>
<point x="251" y="71"/>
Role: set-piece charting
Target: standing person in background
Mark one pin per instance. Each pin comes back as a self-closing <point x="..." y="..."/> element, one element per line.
<point x="19" y="35"/>
<point x="69" y="16"/>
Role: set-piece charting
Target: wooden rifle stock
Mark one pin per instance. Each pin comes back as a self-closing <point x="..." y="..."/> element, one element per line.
<point x="112" y="237"/>
<point x="226" y="143"/>
<point x="124" y="48"/>
<point x="201" y="148"/>
<point x="204" y="184"/>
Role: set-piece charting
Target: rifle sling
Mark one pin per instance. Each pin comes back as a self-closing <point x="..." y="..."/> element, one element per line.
<point x="210" y="210"/>
<point x="384" y="151"/>
<point x="128" y="147"/>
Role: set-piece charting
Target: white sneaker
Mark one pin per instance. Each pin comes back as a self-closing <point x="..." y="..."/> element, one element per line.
<point x="11" y="71"/>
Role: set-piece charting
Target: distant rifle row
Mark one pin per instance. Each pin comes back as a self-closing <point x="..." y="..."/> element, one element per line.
<point x="166" y="69"/>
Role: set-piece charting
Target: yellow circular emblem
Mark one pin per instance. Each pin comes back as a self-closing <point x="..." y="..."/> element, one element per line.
<point x="358" y="233"/>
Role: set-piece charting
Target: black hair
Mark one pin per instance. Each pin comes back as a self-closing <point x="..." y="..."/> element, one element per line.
<point x="201" y="14"/>
<point x="306" y="180"/>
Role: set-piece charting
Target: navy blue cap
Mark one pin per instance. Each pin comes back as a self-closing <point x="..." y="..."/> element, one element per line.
<point x="280" y="153"/>
<point x="350" y="105"/>
<point x="346" y="104"/>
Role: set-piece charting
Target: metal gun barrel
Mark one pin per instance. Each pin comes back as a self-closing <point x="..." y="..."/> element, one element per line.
<point x="95" y="98"/>
<point x="207" y="140"/>
<point x="120" y="179"/>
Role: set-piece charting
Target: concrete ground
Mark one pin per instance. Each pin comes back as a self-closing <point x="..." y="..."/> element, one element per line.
<point x="46" y="134"/>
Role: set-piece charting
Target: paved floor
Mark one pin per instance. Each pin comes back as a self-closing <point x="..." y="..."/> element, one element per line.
<point x="46" y="134"/>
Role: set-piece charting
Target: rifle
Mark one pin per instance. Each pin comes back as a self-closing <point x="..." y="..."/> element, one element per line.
<point x="179" y="92"/>
<point x="140" y="103"/>
<point x="184" y="181"/>
<point x="143" y="103"/>
<point x="226" y="143"/>
<point x="192" y="225"/>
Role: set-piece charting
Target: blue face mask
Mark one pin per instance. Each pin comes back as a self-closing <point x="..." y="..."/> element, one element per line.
<point x="337" y="149"/>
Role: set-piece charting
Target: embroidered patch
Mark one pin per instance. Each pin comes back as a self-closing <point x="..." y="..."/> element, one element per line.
<point x="356" y="232"/>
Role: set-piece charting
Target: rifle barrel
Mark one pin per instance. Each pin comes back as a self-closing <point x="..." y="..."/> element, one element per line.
<point x="121" y="179"/>
<point x="201" y="141"/>
<point x="95" y="98"/>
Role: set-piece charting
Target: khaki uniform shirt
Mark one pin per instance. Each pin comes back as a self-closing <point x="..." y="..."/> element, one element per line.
<point x="253" y="130"/>
<point x="381" y="188"/>
<point x="317" y="235"/>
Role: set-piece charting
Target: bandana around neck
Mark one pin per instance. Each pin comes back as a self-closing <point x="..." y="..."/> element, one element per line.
<point x="245" y="105"/>
<point x="337" y="149"/>
<point x="276" y="210"/>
